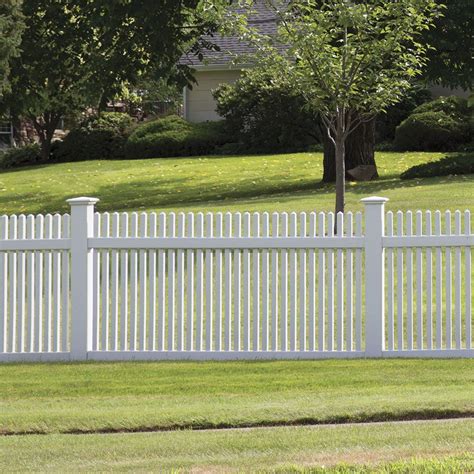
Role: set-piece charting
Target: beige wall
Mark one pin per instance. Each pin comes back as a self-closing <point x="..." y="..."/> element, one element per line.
<point x="199" y="104"/>
<point x="438" y="90"/>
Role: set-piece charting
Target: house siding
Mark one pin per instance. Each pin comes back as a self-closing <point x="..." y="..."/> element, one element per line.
<point x="199" y="104"/>
<point x="445" y="91"/>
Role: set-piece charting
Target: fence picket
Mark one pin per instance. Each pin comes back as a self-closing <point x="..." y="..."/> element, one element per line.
<point x="275" y="282"/>
<point x="330" y="285"/>
<point x="171" y="257"/>
<point x="390" y="286"/>
<point x="209" y="285"/>
<point x="237" y="276"/>
<point x="180" y="286"/>
<point x="312" y="286"/>
<point x="448" y="283"/>
<point x="419" y="283"/>
<point x="293" y="277"/>
<point x="162" y="232"/>
<point x="468" y="282"/>
<point x="4" y="233"/>
<point x="48" y="304"/>
<point x="128" y="309"/>
<point x="152" y="294"/>
<point x="265" y="284"/>
<point x="439" y="285"/>
<point x="114" y="329"/>
<point x="349" y="286"/>
<point x="129" y="276"/>
<point x="57" y="291"/>
<point x="284" y="286"/>
<point x="199" y="283"/>
<point x="302" y="286"/>
<point x="340" y="285"/>
<point x="409" y="284"/>
<point x="65" y="285"/>
<point x="228" y="285"/>
<point x="143" y="263"/>
<point x="457" y="283"/>
<point x="321" y="285"/>
<point x="429" y="285"/>
<point x="246" y="285"/>
<point x="105" y="293"/>
<point x="400" y="273"/>
<point x="256" y="285"/>
<point x="218" y="286"/>
<point x="358" y="292"/>
<point x="30" y="270"/>
<point x="96" y="286"/>
<point x="190" y="287"/>
<point x="13" y="279"/>
<point x="21" y="294"/>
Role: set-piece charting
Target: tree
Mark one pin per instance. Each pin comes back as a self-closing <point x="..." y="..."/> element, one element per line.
<point x="11" y="28"/>
<point x="450" y="62"/>
<point x="79" y="54"/>
<point x="349" y="59"/>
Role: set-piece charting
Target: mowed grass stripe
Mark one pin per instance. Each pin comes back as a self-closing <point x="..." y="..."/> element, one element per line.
<point x="243" y="450"/>
<point x="141" y="396"/>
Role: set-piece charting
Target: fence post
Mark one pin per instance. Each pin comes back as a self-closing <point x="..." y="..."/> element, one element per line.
<point x="82" y="228"/>
<point x="374" y="276"/>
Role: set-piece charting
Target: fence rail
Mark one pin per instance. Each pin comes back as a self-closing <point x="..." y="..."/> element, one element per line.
<point x="235" y="286"/>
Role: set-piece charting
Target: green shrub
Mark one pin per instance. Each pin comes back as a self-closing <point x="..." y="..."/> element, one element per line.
<point x="440" y="125"/>
<point x="24" y="156"/>
<point x="455" y="107"/>
<point x="174" y="136"/>
<point x="450" y="165"/>
<point x="387" y="122"/>
<point x="265" y="116"/>
<point x="97" y="138"/>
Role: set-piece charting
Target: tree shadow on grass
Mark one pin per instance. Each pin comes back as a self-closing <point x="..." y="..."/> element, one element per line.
<point x="146" y="195"/>
<point x="168" y="192"/>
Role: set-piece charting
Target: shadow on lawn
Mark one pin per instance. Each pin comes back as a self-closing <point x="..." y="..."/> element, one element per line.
<point x="146" y="194"/>
<point x="181" y="192"/>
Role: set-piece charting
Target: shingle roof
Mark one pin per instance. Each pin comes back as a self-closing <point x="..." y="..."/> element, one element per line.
<point x="262" y="18"/>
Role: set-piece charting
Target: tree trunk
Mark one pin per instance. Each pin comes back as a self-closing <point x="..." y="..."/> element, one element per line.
<point x="45" y="128"/>
<point x="359" y="151"/>
<point x="340" y="173"/>
<point x="45" y="148"/>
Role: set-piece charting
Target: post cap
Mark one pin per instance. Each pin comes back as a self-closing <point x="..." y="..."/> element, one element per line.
<point x="374" y="200"/>
<point x="82" y="201"/>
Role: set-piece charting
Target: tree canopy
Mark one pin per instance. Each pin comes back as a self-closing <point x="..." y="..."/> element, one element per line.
<point x="79" y="54"/>
<point x="349" y="59"/>
<point x="451" y="61"/>
<point x="11" y="28"/>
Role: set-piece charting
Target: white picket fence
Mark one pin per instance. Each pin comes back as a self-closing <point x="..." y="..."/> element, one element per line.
<point x="127" y="286"/>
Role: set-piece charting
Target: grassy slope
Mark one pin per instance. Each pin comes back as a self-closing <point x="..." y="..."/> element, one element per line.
<point x="243" y="450"/>
<point x="131" y="396"/>
<point x="258" y="183"/>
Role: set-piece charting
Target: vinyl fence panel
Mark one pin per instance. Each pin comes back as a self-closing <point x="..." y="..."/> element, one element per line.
<point x="148" y="286"/>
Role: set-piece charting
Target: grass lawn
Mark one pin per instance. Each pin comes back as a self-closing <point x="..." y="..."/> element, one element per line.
<point x="288" y="182"/>
<point x="88" y="397"/>
<point x="284" y="449"/>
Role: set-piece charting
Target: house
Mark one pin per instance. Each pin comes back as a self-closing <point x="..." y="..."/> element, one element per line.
<point x="217" y="67"/>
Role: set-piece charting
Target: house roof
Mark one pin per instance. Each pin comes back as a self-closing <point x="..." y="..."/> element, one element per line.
<point x="262" y="19"/>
